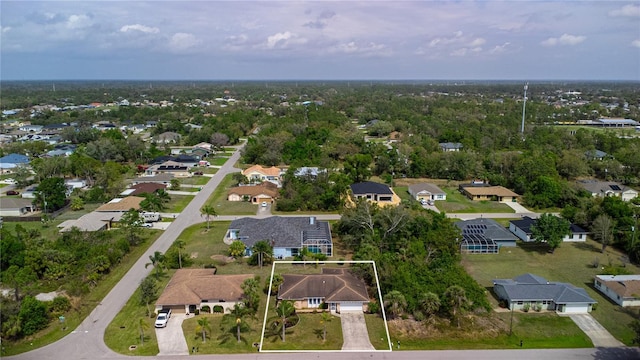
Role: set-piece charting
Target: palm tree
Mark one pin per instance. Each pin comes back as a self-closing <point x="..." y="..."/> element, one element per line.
<point x="163" y="196"/>
<point x="208" y="211"/>
<point x="237" y="314"/>
<point x="180" y="245"/>
<point x="157" y="261"/>
<point x="303" y="255"/>
<point x="395" y="302"/>
<point x="456" y="298"/>
<point x="263" y="251"/>
<point x="143" y="325"/>
<point x="203" y="326"/>
<point x="325" y="318"/>
<point x="429" y="303"/>
<point x="284" y="310"/>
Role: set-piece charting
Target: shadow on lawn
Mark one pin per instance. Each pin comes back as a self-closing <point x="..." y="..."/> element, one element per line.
<point x="535" y="247"/>
<point x="587" y="247"/>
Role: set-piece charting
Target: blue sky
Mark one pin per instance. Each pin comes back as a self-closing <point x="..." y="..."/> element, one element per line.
<point x="325" y="40"/>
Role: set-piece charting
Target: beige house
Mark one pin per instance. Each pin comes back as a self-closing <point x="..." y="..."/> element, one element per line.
<point x="377" y="193"/>
<point x="425" y="191"/>
<point x="258" y="173"/>
<point x="191" y="289"/>
<point x="339" y="289"/>
<point x="490" y="193"/>
<point x="624" y="290"/>
<point x="121" y="204"/>
<point x="256" y="194"/>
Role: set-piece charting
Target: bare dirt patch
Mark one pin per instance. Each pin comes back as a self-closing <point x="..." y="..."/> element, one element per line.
<point x="194" y="255"/>
<point x="223" y="259"/>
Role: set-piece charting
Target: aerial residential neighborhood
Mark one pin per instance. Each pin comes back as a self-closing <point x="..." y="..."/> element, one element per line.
<point x="247" y="231"/>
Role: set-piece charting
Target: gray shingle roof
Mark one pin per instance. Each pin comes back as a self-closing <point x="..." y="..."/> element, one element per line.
<point x="529" y="287"/>
<point x="283" y="232"/>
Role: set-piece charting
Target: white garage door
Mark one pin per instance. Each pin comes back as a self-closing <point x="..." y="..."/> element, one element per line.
<point x="350" y="306"/>
<point x="575" y="309"/>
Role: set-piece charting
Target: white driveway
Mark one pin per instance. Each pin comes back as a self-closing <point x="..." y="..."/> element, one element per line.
<point x="171" y="339"/>
<point x="519" y="209"/>
<point x="354" y="331"/>
<point x="596" y="332"/>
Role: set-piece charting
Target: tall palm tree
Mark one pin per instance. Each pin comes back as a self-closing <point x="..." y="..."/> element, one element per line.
<point x="238" y="314"/>
<point x="456" y="298"/>
<point x="284" y="310"/>
<point x="203" y="326"/>
<point x="325" y="318"/>
<point x="429" y="303"/>
<point x="395" y="302"/>
<point x="143" y="325"/>
<point x="208" y="211"/>
<point x="180" y="245"/>
<point x="157" y="261"/>
<point x="263" y="251"/>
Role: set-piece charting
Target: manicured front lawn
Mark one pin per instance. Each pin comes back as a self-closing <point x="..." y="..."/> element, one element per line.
<point x="223" y="207"/>
<point x="178" y="203"/>
<point x="195" y="180"/>
<point x="377" y="331"/>
<point x="571" y="263"/>
<point x="306" y="335"/>
<point x="458" y="203"/>
<point x="218" y="161"/>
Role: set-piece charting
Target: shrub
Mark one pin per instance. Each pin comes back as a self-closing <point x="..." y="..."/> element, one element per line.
<point x="594" y="307"/>
<point x="595" y="263"/>
<point x="32" y="315"/>
<point x="419" y="315"/>
<point x="60" y="304"/>
<point x="374" y="307"/>
<point x="206" y="309"/>
<point x="197" y="312"/>
<point x="218" y="309"/>
<point x="526" y="307"/>
<point x="538" y="307"/>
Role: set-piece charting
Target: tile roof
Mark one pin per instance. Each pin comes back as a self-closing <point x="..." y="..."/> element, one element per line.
<point x="370" y="187"/>
<point x="333" y="286"/>
<point x="266" y="188"/>
<point x="146" y="188"/>
<point x="284" y="232"/>
<point x="191" y="286"/>
<point x="271" y="171"/>
<point x="489" y="191"/>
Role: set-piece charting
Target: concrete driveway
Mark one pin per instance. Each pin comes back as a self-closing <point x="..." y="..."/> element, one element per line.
<point x="598" y="334"/>
<point x="354" y="332"/>
<point x="171" y="339"/>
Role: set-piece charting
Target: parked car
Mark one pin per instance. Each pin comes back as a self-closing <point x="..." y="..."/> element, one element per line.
<point x="163" y="318"/>
<point x="147" y="225"/>
<point x="13" y="192"/>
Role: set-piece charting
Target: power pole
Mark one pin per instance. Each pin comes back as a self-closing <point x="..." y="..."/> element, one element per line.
<point x="524" y="106"/>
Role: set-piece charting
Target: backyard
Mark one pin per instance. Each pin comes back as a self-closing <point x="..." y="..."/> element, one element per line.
<point x="571" y="262"/>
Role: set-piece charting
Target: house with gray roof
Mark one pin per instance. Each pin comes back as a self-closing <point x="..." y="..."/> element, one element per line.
<point x="608" y="188"/>
<point x="522" y="229"/>
<point x="426" y="191"/>
<point x="595" y="154"/>
<point x="484" y="236"/>
<point x="449" y="146"/>
<point x="287" y="235"/>
<point x="533" y="290"/>
<point x="15" y="206"/>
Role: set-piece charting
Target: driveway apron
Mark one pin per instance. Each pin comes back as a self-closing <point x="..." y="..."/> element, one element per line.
<point x="354" y="332"/>
<point x="171" y="339"/>
<point x="596" y="332"/>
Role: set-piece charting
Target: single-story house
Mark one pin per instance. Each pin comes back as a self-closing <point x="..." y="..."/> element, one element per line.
<point x="167" y="137"/>
<point x="311" y="172"/>
<point x="535" y="290"/>
<point x="191" y="289"/>
<point x="93" y="221"/>
<point x="338" y="288"/>
<point x="169" y="167"/>
<point x="491" y="193"/>
<point x="624" y="290"/>
<point x="449" y="146"/>
<point x="257" y="173"/>
<point x="143" y="188"/>
<point x="608" y="188"/>
<point x="76" y="183"/>
<point x="121" y="204"/>
<point x="595" y="154"/>
<point x="287" y="235"/>
<point x="256" y="194"/>
<point x="522" y="229"/>
<point x="425" y="191"/>
<point x="10" y="162"/>
<point x="380" y="194"/>
<point x="30" y="192"/>
<point x="15" y="206"/>
<point x="164" y="179"/>
<point x="484" y="236"/>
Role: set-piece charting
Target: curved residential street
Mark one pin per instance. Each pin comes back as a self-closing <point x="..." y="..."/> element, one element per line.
<point x="86" y="342"/>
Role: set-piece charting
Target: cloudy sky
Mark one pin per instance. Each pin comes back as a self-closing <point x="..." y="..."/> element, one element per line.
<point x="326" y="40"/>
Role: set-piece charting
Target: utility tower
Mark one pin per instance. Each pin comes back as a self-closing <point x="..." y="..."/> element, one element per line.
<point x="524" y="106"/>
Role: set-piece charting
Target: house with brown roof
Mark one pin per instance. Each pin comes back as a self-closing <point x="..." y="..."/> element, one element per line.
<point x="143" y="188"/>
<point x="490" y="193"/>
<point x="256" y="194"/>
<point x="258" y="173"/>
<point x="191" y="289"/>
<point x="122" y="204"/>
<point x="624" y="290"/>
<point x="338" y="288"/>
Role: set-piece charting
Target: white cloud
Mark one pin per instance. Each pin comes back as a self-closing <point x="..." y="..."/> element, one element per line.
<point x="183" y="41"/>
<point x="477" y="42"/>
<point x="626" y="11"/>
<point x="78" y="21"/>
<point x="499" y="49"/>
<point x="283" y="40"/>
<point x="141" y="28"/>
<point x="353" y="47"/>
<point x="5" y="29"/>
<point x="565" y="39"/>
<point x="636" y="43"/>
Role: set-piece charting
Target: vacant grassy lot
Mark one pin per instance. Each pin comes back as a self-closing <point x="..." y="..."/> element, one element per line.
<point x="195" y="180"/>
<point x="178" y="203"/>
<point x="458" y="203"/>
<point x="571" y="263"/>
<point x="219" y="201"/>
<point x="218" y="160"/>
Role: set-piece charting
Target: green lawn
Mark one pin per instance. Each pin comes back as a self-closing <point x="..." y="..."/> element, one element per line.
<point x="195" y="180"/>
<point x="221" y="339"/>
<point x="458" y="203"/>
<point x="178" y="203"/>
<point x="306" y="335"/>
<point x="377" y="331"/>
<point x="223" y="207"/>
<point x="218" y="161"/>
<point x="570" y="263"/>
<point x="3" y="185"/>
